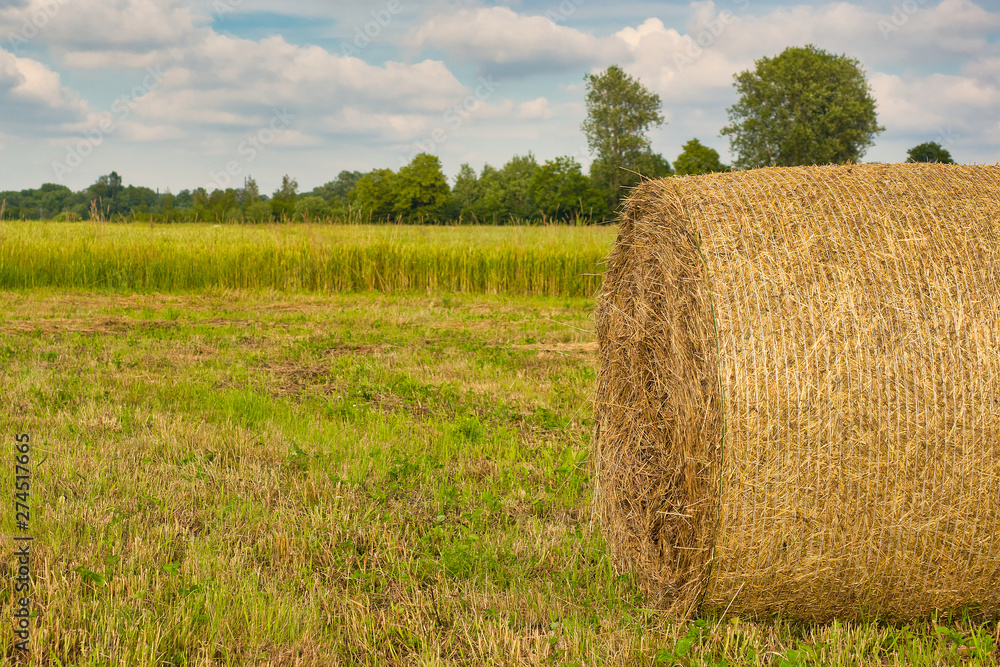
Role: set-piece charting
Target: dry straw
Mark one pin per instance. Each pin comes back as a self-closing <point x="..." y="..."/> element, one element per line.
<point x="798" y="403"/>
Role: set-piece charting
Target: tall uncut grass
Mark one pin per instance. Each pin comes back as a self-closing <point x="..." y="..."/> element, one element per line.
<point x="549" y="260"/>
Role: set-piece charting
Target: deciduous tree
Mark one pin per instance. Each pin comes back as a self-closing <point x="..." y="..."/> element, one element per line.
<point x="930" y="151"/>
<point x="505" y="194"/>
<point x="337" y="193"/>
<point x="311" y="207"/>
<point x="464" y="193"/>
<point x="283" y="199"/>
<point x="251" y="192"/>
<point x="421" y="189"/>
<point x="562" y="192"/>
<point x="375" y="194"/>
<point x="803" y="106"/>
<point x="696" y="158"/>
<point x="620" y="110"/>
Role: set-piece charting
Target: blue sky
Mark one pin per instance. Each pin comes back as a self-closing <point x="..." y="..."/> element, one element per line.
<point x="181" y="94"/>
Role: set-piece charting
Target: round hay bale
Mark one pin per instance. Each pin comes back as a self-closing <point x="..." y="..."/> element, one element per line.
<point x="797" y="406"/>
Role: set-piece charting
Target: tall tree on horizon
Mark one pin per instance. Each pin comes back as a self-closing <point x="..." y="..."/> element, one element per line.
<point x="251" y="193"/>
<point x="620" y="110"/>
<point x="283" y="199"/>
<point x="803" y="106"/>
<point x="420" y="188"/>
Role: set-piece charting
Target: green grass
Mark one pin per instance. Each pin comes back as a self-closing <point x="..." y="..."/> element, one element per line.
<point x="258" y="478"/>
<point x="546" y="260"/>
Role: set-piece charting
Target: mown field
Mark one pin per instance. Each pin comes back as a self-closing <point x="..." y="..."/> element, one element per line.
<point x="272" y="475"/>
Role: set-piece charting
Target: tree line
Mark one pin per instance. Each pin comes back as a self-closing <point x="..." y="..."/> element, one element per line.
<point x="803" y="106"/>
<point x="521" y="191"/>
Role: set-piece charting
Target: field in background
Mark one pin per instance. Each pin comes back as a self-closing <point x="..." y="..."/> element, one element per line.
<point x="544" y="260"/>
<point x="228" y="477"/>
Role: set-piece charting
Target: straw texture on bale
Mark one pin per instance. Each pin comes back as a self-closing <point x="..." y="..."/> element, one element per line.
<point x="798" y="400"/>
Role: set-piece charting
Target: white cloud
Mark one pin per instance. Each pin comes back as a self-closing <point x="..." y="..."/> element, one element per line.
<point x="291" y="138"/>
<point x="681" y="67"/>
<point x="536" y="108"/>
<point x="82" y="25"/>
<point x="225" y="71"/>
<point x="986" y="70"/>
<point x="352" y="119"/>
<point x="226" y="84"/>
<point x="500" y="38"/>
<point x="141" y="132"/>
<point x="116" y="59"/>
<point x="899" y="107"/>
<point x="953" y="27"/>
<point x="484" y="109"/>
<point x="32" y="94"/>
<point x="955" y="111"/>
